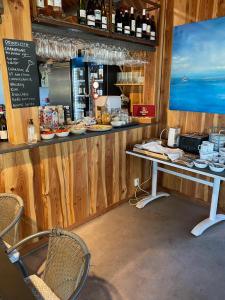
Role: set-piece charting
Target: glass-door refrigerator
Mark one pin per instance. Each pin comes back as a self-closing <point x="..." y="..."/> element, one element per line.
<point x="80" y="89"/>
<point x="83" y="76"/>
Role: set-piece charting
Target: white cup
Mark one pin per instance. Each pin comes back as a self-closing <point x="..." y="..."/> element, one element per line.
<point x="206" y="156"/>
<point x="222" y="151"/>
<point x="222" y="160"/>
<point x="206" y="147"/>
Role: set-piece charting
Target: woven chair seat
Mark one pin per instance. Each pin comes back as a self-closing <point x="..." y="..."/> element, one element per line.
<point x="40" y="289"/>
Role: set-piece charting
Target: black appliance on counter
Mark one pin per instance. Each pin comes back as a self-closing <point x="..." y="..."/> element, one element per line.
<point x="190" y="142"/>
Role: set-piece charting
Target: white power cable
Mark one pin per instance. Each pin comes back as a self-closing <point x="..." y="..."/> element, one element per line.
<point x="134" y="201"/>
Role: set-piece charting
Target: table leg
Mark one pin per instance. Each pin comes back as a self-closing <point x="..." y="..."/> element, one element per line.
<point x="214" y="218"/>
<point x="154" y="195"/>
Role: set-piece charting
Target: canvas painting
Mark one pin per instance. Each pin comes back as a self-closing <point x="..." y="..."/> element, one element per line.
<point x="198" y="67"/>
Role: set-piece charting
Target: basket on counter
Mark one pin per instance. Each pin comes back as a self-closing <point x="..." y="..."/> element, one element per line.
<point x="217" y="136"/>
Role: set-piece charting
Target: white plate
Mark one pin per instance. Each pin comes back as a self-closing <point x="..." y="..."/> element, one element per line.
<point x="78" y="131"/>
<point x="62" y="134"/>
<point x="200" y="163"/>
<point x="103" y="128"/>
<point x="47" y="136"/>
<point x="117" y="123"/>
<point x="217" y="167"/>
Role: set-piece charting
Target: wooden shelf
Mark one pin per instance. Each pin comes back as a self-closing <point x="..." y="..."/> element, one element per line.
<point x="42" y="20"/>
<point x="129" y="84"/>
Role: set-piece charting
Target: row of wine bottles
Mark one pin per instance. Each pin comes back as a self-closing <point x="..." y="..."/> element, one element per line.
<point x="94" y="14"/>
<point x="49" y="7"/>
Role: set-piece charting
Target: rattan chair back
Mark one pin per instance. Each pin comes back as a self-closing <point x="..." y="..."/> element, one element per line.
<point x="67" y="263"/>
<point x="11" y="210"/>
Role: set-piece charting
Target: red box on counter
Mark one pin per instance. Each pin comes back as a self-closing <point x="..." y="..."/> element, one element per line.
<point x="143" y="110"/>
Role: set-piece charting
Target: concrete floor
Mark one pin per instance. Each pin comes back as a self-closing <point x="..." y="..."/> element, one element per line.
<point x="149" y="254"/>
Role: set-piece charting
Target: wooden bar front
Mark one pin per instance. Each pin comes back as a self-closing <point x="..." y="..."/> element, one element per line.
<point x="66" y="184"/>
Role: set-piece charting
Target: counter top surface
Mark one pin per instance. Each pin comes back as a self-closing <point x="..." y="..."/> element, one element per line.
<point x="7" y="147"/>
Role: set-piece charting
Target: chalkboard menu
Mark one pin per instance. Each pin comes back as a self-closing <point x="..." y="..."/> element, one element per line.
<point x="22" y="73"/>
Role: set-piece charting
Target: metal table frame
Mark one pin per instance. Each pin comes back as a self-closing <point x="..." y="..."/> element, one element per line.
<point x="213" y="218"/>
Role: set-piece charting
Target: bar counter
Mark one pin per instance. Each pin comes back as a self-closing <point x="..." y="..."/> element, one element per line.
<point x="74" y="179"/>
<point x="8" y="147"/>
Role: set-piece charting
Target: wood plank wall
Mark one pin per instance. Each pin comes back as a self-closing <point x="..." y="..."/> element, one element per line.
<point x="68" y="183"/>
<point x="180" y="12"/>
<point x="16" y="24"/>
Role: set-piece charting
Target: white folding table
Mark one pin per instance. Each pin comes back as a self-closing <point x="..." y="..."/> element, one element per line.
<point x="213" y="218"/>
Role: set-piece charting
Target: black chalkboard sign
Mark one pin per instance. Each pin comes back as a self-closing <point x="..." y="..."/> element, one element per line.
<point x="22" y="73"/>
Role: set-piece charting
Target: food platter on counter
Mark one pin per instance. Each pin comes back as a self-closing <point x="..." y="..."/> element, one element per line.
<point x="99" y="128"/>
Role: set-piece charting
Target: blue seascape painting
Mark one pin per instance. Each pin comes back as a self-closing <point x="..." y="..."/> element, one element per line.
<point x="198" y="67"/>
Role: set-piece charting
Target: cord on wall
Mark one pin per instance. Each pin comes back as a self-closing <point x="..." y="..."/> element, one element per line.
<point x="133" y="201"/>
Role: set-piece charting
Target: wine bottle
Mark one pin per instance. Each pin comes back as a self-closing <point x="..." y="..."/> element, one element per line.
<point x="119" y="25"/>
<point x="82" y="12"/>
<point x="113" y="19"/>
<point x="49" y="7"/>
<point x="3" y="127"/>
<point x="153" y="29"/>
<point x="132" y="22"/>
<point x="126" y="23"/>
<point x="97" y="12"/>
<point x="144" y="24"/>
<point x="104" y="23"/>
<point x="57" y="8"/>
<point x="148" y="30"/>
<point x="90" y="14"/>
<point x="40" y="4"/>
<point x="138" y="27"/>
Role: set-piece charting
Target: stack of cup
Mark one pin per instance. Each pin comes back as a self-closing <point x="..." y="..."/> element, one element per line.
<point x="222" y="155"/>
<point x="206" y="150"/>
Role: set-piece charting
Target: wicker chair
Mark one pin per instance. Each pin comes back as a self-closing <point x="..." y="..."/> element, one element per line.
<point x="11" y="210"/>
<point x="66" y="266"/>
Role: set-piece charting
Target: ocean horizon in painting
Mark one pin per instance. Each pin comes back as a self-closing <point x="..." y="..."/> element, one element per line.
<point x="198" y="67"/>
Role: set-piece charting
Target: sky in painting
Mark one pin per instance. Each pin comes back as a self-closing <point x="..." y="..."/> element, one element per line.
<point x="199" y="50"/>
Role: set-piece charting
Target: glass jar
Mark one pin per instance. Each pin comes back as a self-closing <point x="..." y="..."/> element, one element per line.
<point x="106" y="116"/>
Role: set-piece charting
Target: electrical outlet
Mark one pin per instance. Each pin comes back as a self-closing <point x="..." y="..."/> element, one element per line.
<point x="136" y="182"/>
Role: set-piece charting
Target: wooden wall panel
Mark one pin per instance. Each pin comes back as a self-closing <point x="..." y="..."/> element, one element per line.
<point x="186" y="11"/>
<point x="16" y="24"/>
<point x="68" y="183"/>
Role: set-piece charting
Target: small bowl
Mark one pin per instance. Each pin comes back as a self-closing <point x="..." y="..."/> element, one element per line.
<point x="78" y="131"/>
<point x="62" y="134"/>
<point x="216" y="167"/>
<point x="200" y="163"/>
<point x="117" y="123"/>
<point x="47" y="136"/>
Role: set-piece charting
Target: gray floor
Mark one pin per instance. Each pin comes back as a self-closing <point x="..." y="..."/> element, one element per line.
<point x="149" y="254"/>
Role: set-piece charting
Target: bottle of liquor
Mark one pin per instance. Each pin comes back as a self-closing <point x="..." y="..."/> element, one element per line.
<point x="31" y="134"/>
<point x="57" y="8"/>
<point x="40" y="4"/>
<point x="119" y="24"/>
<point x="49" y="7"/>
<point x="98" y="17"/>
<point x="82" y="12"/>
<point x="138" y="27"/>
<point x="126" y="23"/>
<point x="148" y="30"/>
<point x="81" y="74"/>
<point x="144" y="24"/>
<point x="153" y="29"/>
<point x="104" y="23"/>
<point x="3" y="127"/>
<point x="132" y="22"/>
<point x="90" y="14"/>
<point x="100" y="72"/>
<point x="113" y="19"/>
